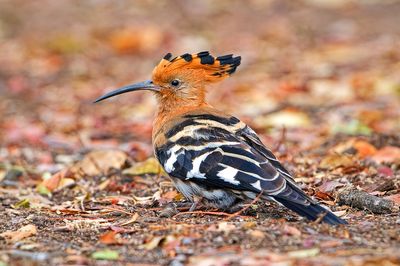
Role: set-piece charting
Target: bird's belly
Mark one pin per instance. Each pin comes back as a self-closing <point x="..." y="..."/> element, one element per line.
<point x="218" y="198"/>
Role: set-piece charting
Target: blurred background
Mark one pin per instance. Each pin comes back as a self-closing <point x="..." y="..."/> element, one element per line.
<point x="317" y="68"/>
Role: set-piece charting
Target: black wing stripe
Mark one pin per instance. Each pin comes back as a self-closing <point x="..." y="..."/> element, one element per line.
<point x="251" y="137"/>
<point x="250" y="181"/>
<point x="253" y="140"/>
<point x="179" y="127"/>
<point x="209" y="149"/>
<point x="223" y="120"/>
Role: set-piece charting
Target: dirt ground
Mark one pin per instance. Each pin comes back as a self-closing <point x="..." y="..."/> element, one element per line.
<point x="319" y="82"/>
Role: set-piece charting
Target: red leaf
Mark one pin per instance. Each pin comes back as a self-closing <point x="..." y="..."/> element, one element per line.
<point x="108" y="238"/>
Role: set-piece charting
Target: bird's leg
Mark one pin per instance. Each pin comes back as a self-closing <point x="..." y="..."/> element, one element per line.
<point x="193" y="207"/>
<point x="197" y="200"/>
<point x="242" y="207"/>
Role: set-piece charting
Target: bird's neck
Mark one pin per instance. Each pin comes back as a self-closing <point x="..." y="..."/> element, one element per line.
<point x="170" y="108"/>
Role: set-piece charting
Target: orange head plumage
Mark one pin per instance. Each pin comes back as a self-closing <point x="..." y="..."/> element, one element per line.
<point x="199" y="68"/>
<point x="181" y="81"/>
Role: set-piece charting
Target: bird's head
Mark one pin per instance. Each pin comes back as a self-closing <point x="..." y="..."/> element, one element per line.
<point x="183" y="78"/>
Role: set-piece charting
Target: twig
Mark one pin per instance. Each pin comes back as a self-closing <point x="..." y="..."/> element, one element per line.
<point x="246" y="207"/>
<point x="363" y="200"/>
<point x="282" y="139"/>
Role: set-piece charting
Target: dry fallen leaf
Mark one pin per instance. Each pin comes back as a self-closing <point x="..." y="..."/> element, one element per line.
<point x="329" y="186"/>
<point x="55" y="182"/>
<point x="100" y="162"/>
<point x="336" y="160"/>
<point x="23" y="232"/>
<point x="51" y="182"/>
<point x="364" y="149"/>
<point x="150" y="166"/>
<point x="109" y="238"/>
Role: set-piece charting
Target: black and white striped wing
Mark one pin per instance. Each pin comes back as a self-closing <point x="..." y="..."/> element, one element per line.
<point x="213" y="151"/>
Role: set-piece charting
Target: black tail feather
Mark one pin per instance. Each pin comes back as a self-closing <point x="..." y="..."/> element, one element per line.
<point x="312" y="212"/>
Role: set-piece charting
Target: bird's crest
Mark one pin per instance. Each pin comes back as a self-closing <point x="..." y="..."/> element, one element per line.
<point x="210" y="68"/>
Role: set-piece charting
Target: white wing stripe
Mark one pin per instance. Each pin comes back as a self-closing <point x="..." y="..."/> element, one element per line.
<point x="241" y="157"/>
<point x="169" y="164"/>
<point x="228" y="175"/>
<point x="195" y="171"/>
<point x="253" y="174"/>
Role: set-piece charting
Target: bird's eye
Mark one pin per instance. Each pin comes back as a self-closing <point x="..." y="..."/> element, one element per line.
<point x="175" y="83"/>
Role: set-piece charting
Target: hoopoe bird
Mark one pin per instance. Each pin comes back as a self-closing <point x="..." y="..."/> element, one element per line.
<point x="212" y="157"/>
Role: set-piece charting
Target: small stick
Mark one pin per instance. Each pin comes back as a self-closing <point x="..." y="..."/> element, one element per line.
<point x="282" y="139"/>
<point x="246" y="207"/>
<point x="363" y="200"/>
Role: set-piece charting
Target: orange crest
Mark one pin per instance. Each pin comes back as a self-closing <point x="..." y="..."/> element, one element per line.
<point x="201" y="65"/>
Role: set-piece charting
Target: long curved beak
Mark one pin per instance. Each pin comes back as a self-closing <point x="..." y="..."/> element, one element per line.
<point x="145" y="85"/>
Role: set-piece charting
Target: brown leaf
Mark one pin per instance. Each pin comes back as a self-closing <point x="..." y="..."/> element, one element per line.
<point x="23" y="232"/>
<point x="323" y="196"/>
<point x="336" y="160"/>
<point x="53" y="181"/>
<point x="329" y="186"/>
<point x="57" y="181"/>
<point x="100" y="162"/>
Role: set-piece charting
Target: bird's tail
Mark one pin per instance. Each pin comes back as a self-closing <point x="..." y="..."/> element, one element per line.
<point x="312" y="211"/>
